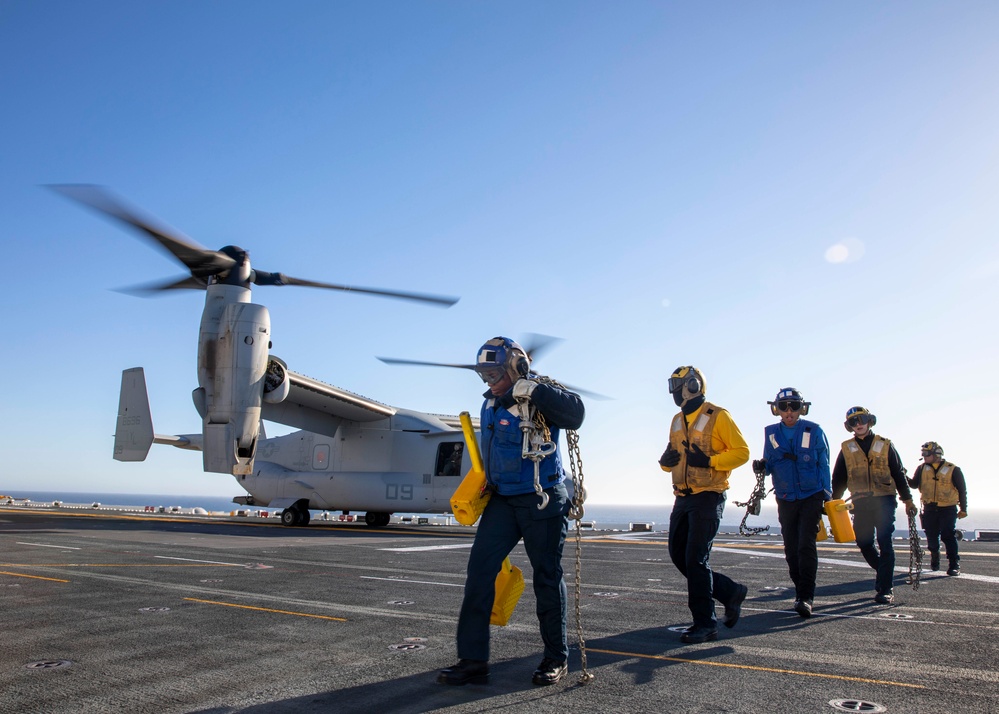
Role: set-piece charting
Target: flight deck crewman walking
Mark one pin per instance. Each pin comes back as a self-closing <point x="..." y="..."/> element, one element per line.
<point x="870" y="466"/>
<point x="941" y="491"/>
<point x="796" y="455"/>
<point x="513" y="512"/>
<point x="704" y="446"/>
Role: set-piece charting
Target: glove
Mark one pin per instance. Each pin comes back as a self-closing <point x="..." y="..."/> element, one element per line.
<point x="523" y="388"/>
<point x="759" y="466"/>
<point x="670" y="457"/>
<point x="962" y="514"/>
<point x="697" y="458"/>
<point x="789" y="456"/>
<point x="910" y="508"/>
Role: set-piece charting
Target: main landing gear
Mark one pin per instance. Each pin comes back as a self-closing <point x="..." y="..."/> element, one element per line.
<point x="295" y="516"/>
<point x="377" y="520"/>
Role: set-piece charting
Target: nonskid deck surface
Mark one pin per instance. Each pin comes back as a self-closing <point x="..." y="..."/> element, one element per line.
<point x="155" y="614"/>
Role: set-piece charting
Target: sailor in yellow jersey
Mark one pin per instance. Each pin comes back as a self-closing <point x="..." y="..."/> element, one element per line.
<point x="944" y="497"/>
<point x="704" y="446"/>
<point x="871" y="468"/>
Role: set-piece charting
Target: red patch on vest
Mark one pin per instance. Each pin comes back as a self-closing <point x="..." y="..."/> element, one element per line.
<point x="504" y="422"/>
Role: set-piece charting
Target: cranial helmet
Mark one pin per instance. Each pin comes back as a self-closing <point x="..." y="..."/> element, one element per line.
<point x="931" y="447"/>
<point x="789" y="397"/>
<point x="858" y="415"/>
<point x="501" y="356"/>
<point x="688" y="382"/>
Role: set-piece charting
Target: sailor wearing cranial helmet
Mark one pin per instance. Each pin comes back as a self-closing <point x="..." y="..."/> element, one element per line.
<point x="796" y="455"/>
<point x="529" y="500"/>
<point x="704" y="446"/>
<point x="871" y="468"/>
<point x="944" y="498"/>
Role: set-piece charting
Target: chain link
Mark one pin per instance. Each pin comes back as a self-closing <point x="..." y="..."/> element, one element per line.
<point x="915" y="554"/>
<point x="753" y="506"/>
<point x="576" y="514"/>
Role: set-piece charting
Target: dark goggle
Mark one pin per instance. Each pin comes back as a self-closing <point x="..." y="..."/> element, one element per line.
<point x="491" y="375"/>
<point x="858" y="420"/>
<point x="789" y="406"/>
<point x="927" y="452"/>
<point x="676" y="383"/>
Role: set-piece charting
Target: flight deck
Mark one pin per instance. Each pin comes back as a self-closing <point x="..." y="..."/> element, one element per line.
<point x="159" y="613"/>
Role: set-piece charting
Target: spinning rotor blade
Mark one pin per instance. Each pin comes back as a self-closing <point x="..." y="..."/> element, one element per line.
<point x="392" y="360"/>
<point x="262" y="278"/>
<point x="199" y="260"/>
<point x="188" y="283"/>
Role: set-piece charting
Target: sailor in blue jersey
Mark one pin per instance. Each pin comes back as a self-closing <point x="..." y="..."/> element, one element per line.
<point x="796" y="455"/>
<point x="513" y="512"/>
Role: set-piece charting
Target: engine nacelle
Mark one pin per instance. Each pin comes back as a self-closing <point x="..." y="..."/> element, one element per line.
<point x="232" y="413"/>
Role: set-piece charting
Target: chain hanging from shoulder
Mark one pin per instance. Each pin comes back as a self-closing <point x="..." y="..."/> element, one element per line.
<point x="537" y="443"/>
<point x="753" y="505"/>
<point x="576" y="514"/>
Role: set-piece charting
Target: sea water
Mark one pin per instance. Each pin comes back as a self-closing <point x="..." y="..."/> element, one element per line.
<point x="602" y="516"/>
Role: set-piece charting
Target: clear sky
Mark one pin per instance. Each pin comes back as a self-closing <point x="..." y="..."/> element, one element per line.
<point x="782" y="194"/>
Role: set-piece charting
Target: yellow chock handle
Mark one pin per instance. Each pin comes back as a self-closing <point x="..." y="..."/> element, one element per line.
<point x="471" y="496"/>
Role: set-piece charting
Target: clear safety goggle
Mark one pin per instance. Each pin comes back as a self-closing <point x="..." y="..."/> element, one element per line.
<point x="491" y="375"/>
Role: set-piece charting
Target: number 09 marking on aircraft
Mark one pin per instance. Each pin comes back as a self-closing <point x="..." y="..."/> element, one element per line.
<point x="395" y="492"/>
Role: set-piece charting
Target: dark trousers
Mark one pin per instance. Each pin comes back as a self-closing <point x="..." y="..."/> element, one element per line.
<point x="799" y="524"/>
<point x="504" y="522"/>
<point x="870" y="514"/>
<point x="693" y="525"/>
<point x="940" y="522"/>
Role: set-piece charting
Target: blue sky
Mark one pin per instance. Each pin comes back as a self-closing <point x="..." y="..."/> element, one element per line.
<point x="781" y="194"/>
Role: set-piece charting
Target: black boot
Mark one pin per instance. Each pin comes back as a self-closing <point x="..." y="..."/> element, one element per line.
<point x="466" y="671"/>
<point x="934" y="560"/>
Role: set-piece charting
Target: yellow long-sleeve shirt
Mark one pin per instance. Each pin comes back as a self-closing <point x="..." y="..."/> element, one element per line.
<point x="728" y="447"/>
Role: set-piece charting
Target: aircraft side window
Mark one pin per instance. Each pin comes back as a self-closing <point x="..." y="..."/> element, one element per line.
<point x="449" y="455"/>
<point x="321" y="457"/>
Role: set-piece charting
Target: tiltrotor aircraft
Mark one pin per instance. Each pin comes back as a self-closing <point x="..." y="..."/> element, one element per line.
<point x="352" y="453"/>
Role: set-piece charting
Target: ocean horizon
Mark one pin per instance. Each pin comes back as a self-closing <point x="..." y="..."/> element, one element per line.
<point x="601" y="515"/>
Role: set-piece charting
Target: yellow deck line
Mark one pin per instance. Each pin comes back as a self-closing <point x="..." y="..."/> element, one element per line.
<point x="266" y="609"/>
<point x="755" y="668"/>
<point x="35" y="577"/>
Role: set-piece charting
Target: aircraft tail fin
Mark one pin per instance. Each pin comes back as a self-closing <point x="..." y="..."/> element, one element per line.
<point x="134" y="432"/>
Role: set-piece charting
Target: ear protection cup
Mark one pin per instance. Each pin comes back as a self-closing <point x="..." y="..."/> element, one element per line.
<point x="522" y="366"/>
<point x="693" y="384"/>
<point x="774" y="410"/>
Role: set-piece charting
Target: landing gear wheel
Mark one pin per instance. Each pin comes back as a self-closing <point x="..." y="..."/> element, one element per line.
<point x="377" y="520"/>
<point x="304" y="517"/>
<point x="289" y="517"/>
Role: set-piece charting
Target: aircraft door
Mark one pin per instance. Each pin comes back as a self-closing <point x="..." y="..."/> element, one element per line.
<point x="451" y="465"/>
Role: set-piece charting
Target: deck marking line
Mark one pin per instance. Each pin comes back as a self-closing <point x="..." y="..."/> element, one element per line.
<point x="419" y="582"/>
<point x="415" y="548"/>
<point x="46" y="545"/>
<point x="191" y="560"/>
<point x="266" y="609"/>
<point x="759" y="669"/>
<point x="34" y="577"/>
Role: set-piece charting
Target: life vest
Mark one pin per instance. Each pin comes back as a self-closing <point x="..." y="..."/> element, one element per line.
<point x="937" y="485"/>
<point x="868" y="474"/>
<point x="689" y="479"/>
<point x="502" y="444"/>
<point x="794" y="480"/>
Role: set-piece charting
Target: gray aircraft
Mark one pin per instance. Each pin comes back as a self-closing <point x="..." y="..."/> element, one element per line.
<point x="352" y="453"/>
